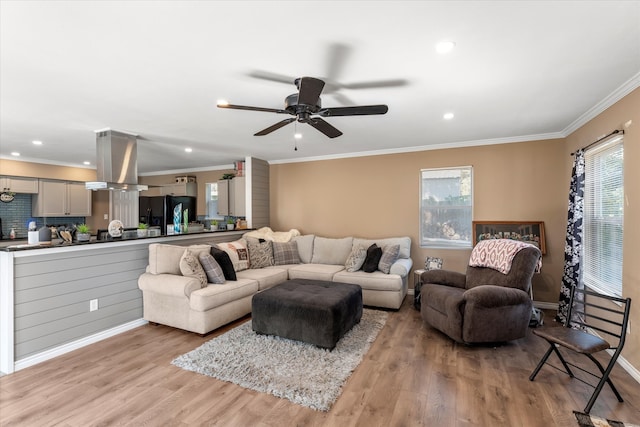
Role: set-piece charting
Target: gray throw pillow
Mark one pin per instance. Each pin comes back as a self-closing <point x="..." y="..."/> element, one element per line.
<point x="285" y="253"/>
<point x="211" y="268"/>
<point x="260" y="253"/>
<point x="389" y="256"/>
<point x="356" y="258"/>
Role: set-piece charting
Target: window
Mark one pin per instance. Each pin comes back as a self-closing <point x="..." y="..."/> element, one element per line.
<point x="212" y="200"/>
<point x="603" y="217"/>
<point x="446" y="207"/>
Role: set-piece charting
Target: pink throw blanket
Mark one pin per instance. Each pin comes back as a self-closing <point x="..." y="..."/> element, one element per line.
<point x="498" y="254"/>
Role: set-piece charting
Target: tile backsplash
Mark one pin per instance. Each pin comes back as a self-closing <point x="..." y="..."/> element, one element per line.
<point x="16" y="215"/>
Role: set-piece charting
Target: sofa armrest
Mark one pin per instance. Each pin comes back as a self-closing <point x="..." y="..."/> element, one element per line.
<point x="168" y="284"/>
<point x="444" y="277"/>
<point x="401" y="267"/>
<point x="489" y="296"/>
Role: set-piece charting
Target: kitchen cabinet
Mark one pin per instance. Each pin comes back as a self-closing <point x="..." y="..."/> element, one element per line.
<point x="177" y="189"/>
<point x="231" y="197"/>
<point x="19" y="185"/>
<point x="180" y="189"/>
<point x="60" y="198"/>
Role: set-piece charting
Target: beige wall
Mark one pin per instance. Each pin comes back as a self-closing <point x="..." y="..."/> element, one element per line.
<point x="39" y="170"/>
<point x="378" y="196"/>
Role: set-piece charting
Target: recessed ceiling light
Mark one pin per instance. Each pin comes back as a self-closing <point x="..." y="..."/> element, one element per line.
<point x="15" y="153"/>
<point x="86" y="163"/>
<point x="188" y="150"/>
<point x="445" y="46"/>
<point x="448" y="116"/>
<point x="37" y="142"/>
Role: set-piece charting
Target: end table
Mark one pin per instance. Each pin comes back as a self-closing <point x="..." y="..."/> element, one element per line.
<point x="417" y="284"/>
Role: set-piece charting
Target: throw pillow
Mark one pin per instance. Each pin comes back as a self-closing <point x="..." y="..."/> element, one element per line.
<point x="285" y="253"/>
<point x="389" y="256"/>
<point x="260" y="252"/>
<point x="238" y="253"/>
<point x="190" y="267"/>
<point x="356" y="258"/>
<point x="305" y="247"/>
<point x="211" y="268"/>
<point x="374" y="253"/>
<point x="223" y="259"/>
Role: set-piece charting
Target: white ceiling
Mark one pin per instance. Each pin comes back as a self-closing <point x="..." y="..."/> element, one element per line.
<point x="521" y="70"/>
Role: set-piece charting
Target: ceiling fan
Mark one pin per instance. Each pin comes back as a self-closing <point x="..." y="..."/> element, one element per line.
<point x="306" y="107"/>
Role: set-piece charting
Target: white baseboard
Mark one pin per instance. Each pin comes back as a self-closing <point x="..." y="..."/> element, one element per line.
<point x="74" y="345"/>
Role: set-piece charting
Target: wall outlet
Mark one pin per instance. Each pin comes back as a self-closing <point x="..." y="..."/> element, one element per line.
<point x="93" y="305"/>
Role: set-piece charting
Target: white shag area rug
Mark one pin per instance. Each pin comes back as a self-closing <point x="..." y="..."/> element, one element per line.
<point x="293" y="370"/>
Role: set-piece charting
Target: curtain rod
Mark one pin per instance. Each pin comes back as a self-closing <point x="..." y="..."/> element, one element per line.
<point x="615" y="132"/>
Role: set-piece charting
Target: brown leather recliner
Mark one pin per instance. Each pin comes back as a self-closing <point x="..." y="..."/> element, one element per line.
<point x="483" y="306"/>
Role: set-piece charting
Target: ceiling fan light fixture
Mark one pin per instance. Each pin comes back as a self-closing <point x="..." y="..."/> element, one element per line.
<point x="445" y="46"/>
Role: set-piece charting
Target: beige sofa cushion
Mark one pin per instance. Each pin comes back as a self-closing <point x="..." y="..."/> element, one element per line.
<point x="266" y="277"/>
<point x="214" y="296"/>
<point x="331" y="251"/>
<point x="377" y="280"/>
<point x="314" y="271"/>
<point x="166" y="258"/>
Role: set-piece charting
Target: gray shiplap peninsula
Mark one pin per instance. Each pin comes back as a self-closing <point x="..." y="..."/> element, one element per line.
<point x="45" y="295"/>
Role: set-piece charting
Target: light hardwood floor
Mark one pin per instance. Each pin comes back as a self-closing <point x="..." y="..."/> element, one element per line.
<point x="412" y="376"/>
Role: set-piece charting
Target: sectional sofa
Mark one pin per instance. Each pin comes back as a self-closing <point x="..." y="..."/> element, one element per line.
<point x="185" y="302"/>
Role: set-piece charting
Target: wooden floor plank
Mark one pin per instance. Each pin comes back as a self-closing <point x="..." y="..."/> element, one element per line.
<point x="413" y="375"/>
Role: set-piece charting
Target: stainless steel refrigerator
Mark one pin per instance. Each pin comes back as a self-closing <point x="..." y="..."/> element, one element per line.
<point x="158" y="211"/>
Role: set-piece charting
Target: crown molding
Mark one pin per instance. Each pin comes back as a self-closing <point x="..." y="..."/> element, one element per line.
<point x="625" y="89"/>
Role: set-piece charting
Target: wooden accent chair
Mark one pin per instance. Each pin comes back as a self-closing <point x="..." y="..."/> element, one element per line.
<point x="598" y="314"/>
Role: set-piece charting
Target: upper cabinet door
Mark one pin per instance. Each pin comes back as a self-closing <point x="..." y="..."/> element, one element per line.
<point x="19" y="185"/>
<point x="51" y="199"/>
<point x="78" y="199"/>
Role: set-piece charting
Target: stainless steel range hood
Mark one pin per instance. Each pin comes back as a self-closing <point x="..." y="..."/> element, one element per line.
<point x="116" y="162"/>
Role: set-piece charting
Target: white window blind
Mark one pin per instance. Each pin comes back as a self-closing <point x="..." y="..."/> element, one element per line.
<point x="603" y="217"/>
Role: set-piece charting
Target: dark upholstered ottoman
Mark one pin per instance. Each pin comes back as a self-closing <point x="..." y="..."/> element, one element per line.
<point x="313" y="311"/>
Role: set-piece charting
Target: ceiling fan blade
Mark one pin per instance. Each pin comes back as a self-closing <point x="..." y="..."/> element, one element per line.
<point x="275" y="127"/>
<point x="324" y="127"/>
<point x="376" y="84"/>
<point x="362" y="110"/>
<point x="310" y="90"/>
<point x="246" y="107"/>
<point x="336" y="58"/>
<point x="274" y="77"/>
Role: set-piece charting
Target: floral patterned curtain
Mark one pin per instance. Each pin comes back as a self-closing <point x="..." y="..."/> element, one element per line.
<point x="573" y="244"/>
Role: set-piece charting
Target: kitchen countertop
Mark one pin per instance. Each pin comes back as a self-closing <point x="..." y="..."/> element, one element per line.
<point x="21" y="244"/>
